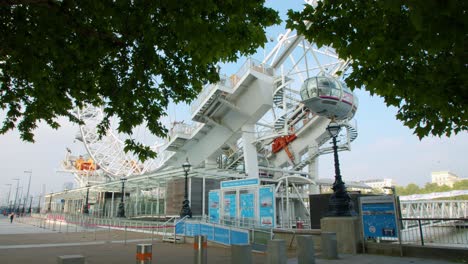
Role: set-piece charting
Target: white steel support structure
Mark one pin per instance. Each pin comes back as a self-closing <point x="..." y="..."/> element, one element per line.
<point x="250" y="151"/>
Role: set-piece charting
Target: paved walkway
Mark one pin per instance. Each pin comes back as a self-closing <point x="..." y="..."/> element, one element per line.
<point x="21" y="243"/>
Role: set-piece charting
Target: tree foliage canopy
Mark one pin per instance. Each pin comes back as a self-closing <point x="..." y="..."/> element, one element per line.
<point x="412" y="53"/>
<point x="130" y="57"/>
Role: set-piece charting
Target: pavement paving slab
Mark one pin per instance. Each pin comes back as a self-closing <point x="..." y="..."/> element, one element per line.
<point x="23" y="243"/>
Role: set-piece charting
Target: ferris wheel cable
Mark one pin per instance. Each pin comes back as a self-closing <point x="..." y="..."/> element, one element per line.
<point x="296" y="67"/>
<point x="274" y="52"/>
<point x="305" y="59"/>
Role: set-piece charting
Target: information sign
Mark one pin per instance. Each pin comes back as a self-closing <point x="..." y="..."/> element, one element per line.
<point x="267" y="206"/>
<point x="378" y="216"/>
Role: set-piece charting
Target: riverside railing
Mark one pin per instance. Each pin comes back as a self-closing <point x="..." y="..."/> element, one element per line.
<point x="84" y="224"/>
<point x="450" y="232"/>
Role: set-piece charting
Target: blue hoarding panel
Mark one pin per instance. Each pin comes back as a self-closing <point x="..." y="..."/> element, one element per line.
<point x="238" y="237"/>
<point x="207" y="230"/>
<point x="192" y="229"/>
<point x="180" y="228"/>
<point x="221" y="235"/>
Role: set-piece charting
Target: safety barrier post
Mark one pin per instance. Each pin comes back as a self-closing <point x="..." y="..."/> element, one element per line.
<point x="305" y="250"/>
<point x="125" y="235"/>
<point x="241" y="254"/>
<point x="144" y="254"/>
<point x="421" y="232"/>
<point x="276" y="251"/>
<point x="329" y="245"/>
<point x="200" y="250"/>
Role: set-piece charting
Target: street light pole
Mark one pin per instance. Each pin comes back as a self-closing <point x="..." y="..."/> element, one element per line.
<point x="29" y="185"/>
<point x="340" y="203"/>
<point x="186" y="211"/>
<point x="8" y="201"/>
<point x="50" y="203"/>
<point x="16" y="194"/>
<point x="86" y="206"/>
<point x="121" y="210"/>
<point x="30" y="204"/>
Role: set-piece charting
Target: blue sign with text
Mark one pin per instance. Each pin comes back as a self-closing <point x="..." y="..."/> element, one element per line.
<point x="230" y="205"/>
<point x="378" y="217"/>
<point x="213" y="206"/>
<point x="247" y="205"/>
<point x="239" y="183"/>
<point x="267" y="206"/>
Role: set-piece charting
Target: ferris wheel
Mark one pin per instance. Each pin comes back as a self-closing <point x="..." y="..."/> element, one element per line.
<point x="308" y="83"/>
<point x="108" y="152"/>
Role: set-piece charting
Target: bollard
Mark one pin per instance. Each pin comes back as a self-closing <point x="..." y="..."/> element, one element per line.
<point x="276" y="251"/>
<point x="200" y="250"/>
<point x="125" y="239"/>
<point x="71" y="259"/>
<point x="109" y="234"/>
<point x="305" y="250"/>
<point x="241" y="254"/>
<point x="144" y="253"/>
<point x="329" y="245"/>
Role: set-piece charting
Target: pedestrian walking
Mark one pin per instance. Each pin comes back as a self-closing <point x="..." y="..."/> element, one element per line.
<point x="12" y="215"/>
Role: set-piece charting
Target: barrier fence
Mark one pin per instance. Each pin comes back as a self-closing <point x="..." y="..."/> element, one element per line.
<point x="86" y="224"/>
<point x="449" y="232"/>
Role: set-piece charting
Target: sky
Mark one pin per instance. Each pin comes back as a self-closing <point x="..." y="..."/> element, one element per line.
<point x="384" y="148"/>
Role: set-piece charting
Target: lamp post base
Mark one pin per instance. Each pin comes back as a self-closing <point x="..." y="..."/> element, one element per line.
<point x="85" y="209"/>
<point x="340" y="205"/>
<point x="121" y="210"/>
<point x="186" y="211"/>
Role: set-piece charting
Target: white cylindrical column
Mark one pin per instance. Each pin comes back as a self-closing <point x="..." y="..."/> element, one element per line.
<point x="250" y="152"/>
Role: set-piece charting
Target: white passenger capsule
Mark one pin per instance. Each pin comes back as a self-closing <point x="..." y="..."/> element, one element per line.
<point x="326" y="96"/>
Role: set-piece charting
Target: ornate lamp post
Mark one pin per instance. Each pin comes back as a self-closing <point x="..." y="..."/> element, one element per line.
<point x="121" y="210"/>
<point x="186" y="211"/>
<point x="86" y="205"/>
<point x="340" y="202"/>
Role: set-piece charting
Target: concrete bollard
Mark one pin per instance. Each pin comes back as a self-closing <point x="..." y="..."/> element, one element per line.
<point x="241" y="254"/>
<point x="200" y="250"/>
<point x="305" y="250"/>
<point x="276" y="251"/>
<point x="329" y="245"/>
<point x="71" y="259"/>
<point x="144" y="254"/>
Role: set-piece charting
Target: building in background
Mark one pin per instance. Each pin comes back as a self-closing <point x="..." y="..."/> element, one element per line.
<point x="380" y="184"/>
<point x="444" y="178"/>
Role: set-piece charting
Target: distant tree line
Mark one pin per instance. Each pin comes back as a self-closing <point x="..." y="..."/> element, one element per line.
<point x="432" y="188"/>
